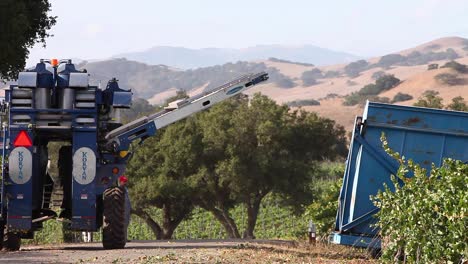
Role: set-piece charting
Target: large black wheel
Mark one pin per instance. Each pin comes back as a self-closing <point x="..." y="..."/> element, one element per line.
<point x="114" y="229"/>
<point x="11" y="241"/>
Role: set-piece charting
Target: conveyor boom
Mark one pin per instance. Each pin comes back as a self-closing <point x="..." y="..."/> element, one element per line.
<point x="146" y="126"/>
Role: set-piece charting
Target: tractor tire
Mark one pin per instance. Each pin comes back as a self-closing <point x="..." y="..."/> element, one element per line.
<point x="114" y="229"/>
<point x="11" y="241"/>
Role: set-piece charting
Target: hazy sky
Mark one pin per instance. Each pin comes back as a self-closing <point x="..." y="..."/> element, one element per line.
<point x="101" y="28"/>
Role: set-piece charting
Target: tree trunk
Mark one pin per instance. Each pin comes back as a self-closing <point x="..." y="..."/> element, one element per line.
<point x="253" y="208"/>
<point x="155" y="227"/>
<point x="223" y="217"/>
<point x="231" y="223"/>
<point x="169" y="223"/>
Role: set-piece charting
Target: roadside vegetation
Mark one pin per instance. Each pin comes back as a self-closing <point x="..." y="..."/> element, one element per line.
<point x="423" y="215"/>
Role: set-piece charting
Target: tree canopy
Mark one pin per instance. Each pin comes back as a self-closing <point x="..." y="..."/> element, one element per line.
<point x="236" y="153"/>
<point x="23" y="23"/>
<point x="430" y="99"/>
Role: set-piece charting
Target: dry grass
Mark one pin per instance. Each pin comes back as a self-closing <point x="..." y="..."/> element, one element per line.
<point x="252" y="253"/>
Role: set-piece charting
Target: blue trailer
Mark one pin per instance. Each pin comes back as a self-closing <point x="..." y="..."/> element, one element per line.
<point x="425" y="135"/>
<point x="48" y="105"/>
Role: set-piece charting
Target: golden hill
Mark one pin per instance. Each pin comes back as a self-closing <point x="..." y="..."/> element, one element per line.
<point x="415" y="79"/>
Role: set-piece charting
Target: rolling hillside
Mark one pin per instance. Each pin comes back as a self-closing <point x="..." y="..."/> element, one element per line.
<point x="290" y="82"/>
<point x="415" y="80"/>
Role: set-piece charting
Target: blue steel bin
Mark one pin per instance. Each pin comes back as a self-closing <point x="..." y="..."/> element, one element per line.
<point x="422" y="134"/>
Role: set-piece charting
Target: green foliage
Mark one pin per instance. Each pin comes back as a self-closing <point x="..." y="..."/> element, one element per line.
<point x="376" y="75"/>
<point x="285" y="82"/>
<point x="430" y="99"/>
<point x="458" y="104"/>
<point x="458" y="67"/>
<point x="370" y="91"/>
<point x="449" y="79"/>
<point x="390" y="59"/>
<point x="51" y="233"/>
<point x="299" y="103"/>
<point x="310" y="77"/>
<point x="401" y="97"/>
<point x="416" y="58"/>
<point x="236" y="153"/>
<point x="323" y="210"/>
<point x="159" y="171"/>
<point x="202" y="224"/>
<point x="426" y="219"/>
<point x="355" y="68"/>
<point x="24" y="23"/>
<point x="386" y="82"/>
<point x="331" y="96"/>
<point x="332" y="74"/>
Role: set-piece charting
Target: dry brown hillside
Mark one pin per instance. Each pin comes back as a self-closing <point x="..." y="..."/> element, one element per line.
<point x="415" y="80"/>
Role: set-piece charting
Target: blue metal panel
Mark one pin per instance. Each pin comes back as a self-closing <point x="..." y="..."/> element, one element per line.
<point x="424" y="135"/>
<point x="105" y="178"/>
<point x="356" y="241"/>
<point x="83" y="189"/>
<point x="141" y="132"/>
<point x="19" y="197"/>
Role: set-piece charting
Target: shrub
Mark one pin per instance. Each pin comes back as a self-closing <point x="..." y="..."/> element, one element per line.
<point x="379" y="99"/>
<point x="303" y="103"/>
<point x="309" y="77"/>
<point x="371" y="91"/>
<point x="353" y="99"/>
<point x="355" y="68"/>
<point x="323" y="210"/>
<point x="350" y="83"/>
<point x="425" y="220"/>
<point x="387" y="82"/>
<point x="314" y="73"/>
<point x="430" y="99"/>
<point x="376" y="75"/>
<point x="458" y="104"/>
<point x="391" y="59"/>
<point x="285" y="83"/>
<point x="432" y="66"/>
<point x="458" y="67"/>
<point x="449" y="79"/>
<point x="401" y="97"/>
<point x="331" y="74"/>
<point x="331" y="96"/>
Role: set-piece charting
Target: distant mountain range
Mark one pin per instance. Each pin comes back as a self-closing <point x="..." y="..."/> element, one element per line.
<point x="185" y="58"/>
<point x="148" y="80"/>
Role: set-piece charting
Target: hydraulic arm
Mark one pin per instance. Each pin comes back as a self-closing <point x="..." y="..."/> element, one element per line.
<point x="120" y="138"/>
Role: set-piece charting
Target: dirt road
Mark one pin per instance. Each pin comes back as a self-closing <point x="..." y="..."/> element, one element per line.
<point x="194" y="251"/>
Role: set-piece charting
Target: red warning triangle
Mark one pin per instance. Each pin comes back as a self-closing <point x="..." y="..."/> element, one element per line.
<point x="22" y="140"/>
